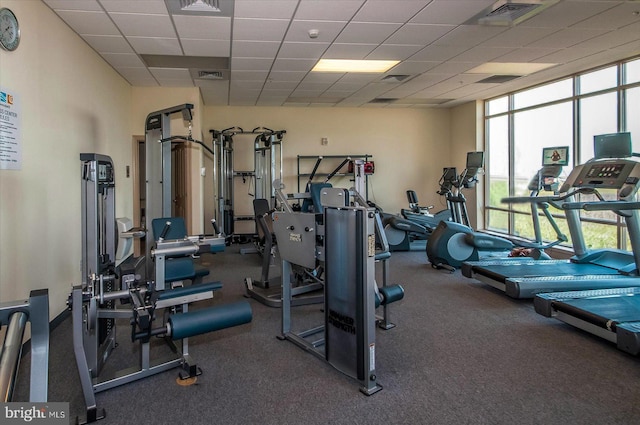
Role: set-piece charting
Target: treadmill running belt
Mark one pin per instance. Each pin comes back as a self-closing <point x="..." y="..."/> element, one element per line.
<point x="614" y="309"/>
<point x="532" y="269"/>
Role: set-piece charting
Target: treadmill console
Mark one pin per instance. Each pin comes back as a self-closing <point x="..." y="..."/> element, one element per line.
<point x="620" y="174"/>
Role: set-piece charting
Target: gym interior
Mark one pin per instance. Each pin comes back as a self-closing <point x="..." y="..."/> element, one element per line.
<point x="97" y="134"/>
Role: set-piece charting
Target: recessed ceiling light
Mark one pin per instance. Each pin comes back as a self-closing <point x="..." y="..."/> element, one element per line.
<point x="509" y="68"/>
<point x="347" y="65"/>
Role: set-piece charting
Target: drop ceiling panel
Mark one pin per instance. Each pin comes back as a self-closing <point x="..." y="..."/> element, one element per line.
<point x="419" y="34"/>
<point x="613" y="18"/>
<point x="388" y="11"/>
<point x="294" y="64"/>
<point x="137" y="25"/>
<point x="155" y="46"/>
<point x="73" y="5"/>
<point x="327" y="30"/>
<point x="306" y="50"/>
<point x="367" y="32"/>
<point x="567" y="13"/>
<point x="278" y="9"/>
<point x="328" y="10"/>
<point x="567" y="37"/>
<point x="249" y="75"/>
<point x="450" y="11"/>
<point x="93" y="23"/>
<point x="519" y="36"/>
<point x="259" y="29"/>
<point x="438" y="53"/>
<point x="393" y="52"/>
<point x="138" y="75"/>
<point x="612" y="39"/>
<point x="413" y="67"/>
<point x="118" y="60"/>
<point x="216" y="48"/>
<point x="348" y="51"/>
<point x="108" y="43"/>
<point x="287" y="86"/>
<point x="451" y="67"/>
<point x="323" y="77"/>
<point x="255" y="49"/>
<point x="291" y="76"/>
<point x="203" y="27"/>
<point x="251" y="64"/>
<point x="469" y="35"/>
<point x="528" y="54"/>
<point x="481" y="54"/>
<point x="138" y="6"/>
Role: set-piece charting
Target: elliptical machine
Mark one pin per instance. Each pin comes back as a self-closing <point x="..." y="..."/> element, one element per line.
<point x="455" y="242"/>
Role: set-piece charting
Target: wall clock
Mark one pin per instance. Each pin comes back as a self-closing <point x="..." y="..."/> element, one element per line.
<point x="9" y="30"/>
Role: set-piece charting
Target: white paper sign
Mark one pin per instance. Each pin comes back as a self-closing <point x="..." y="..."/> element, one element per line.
<point x="10" y="146"/>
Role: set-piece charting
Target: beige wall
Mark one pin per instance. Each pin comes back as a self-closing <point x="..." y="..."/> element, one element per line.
<point x="70" y="102"/>
<point x="408" y="145"/>
<point x="466" y="136"/>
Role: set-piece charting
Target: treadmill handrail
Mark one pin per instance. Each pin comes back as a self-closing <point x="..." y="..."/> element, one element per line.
<point x="602" y="206"/>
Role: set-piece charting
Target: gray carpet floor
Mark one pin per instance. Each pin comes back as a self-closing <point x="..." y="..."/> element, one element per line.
<point x="462" y="353"/>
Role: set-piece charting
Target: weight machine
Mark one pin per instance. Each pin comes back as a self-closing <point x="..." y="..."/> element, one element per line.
<point x="15" y="316"/>
<point x="93" y="303"/>
<point x="343" y="239"/>
<point x="267" y="166"/>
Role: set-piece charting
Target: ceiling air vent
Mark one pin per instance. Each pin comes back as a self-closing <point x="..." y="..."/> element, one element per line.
<point x="498" y="79"/>
<point x="394" y="78"/>
<point x="211" y="75"/>
<point x="510" y="12"/>
<point x="383" y="100"/>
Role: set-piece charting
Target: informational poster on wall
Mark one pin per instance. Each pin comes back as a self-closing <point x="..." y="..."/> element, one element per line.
<point x="10" y="143"/>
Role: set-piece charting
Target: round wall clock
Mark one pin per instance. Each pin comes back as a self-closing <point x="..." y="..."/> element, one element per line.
<point x="9" y="30"/>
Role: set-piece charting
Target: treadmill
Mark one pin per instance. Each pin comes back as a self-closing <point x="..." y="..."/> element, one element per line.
<point x="587" y="269"/>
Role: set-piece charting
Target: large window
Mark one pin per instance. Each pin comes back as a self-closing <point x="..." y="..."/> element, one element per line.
<point x="568" y="112"/>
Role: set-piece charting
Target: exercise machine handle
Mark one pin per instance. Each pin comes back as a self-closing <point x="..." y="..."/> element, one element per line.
<point x="165" y="230"/>
<point x="334" y="172"/>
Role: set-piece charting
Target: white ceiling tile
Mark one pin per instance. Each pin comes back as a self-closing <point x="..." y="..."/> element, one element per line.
<point x="526" y="54"/>
<point x="567" y="37"/>
<point x="327" y="30"/>
<point x="135" y="73"/>
<point x="389" y="10"/>
<point x="348" y="51"/>
<point x="302" y="50"/>
<point x="469" y="35"/>
<point x="360" y="77"/>
<point x="613" y="18"/>
<point x="251" y="64"/>
<point x="481" y="54"/>
<point x="565" y="55"/>
<point x="138" y="25"/>
<point x="413" y="67"/>
<point x="348" y="86"/>
<point x="203" y="27"/>
<point x="73" y="5"/>
<point x="454" y="67"/>
<point x="328" y="10"/>
<point x="566" y="13"/>
<point x="291" y="76"/>
<point x="259" y="29"/>
<point x="138" y="6"/>
<point x="294" y="64"/>
<point x="246" y="85"/>
<point x="307" y="85"/>
<point x="170" y="82"/>
<point x="255" y="49"/>
<point x="94" y="23"/>
<point x="438" y="53"/>
<point x="215" y="48"/>
<point x="279" y="9"/>
<point x="419" y="34"/>
<point x="367" y="32"/>
<point x="283" y="86"/>
<point x="128" y="60"/>
<point x="393" y="52"/>
<point x="155" y="46"/>
<point x="518" y="36"/>
<point x="249" y="75"/>
<point x="108" y="43"/>
<point x="323" y="77"/>
<point x="450" y="11"/>
<point x="218" y="96"/>
<point x="613" y="38"/>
